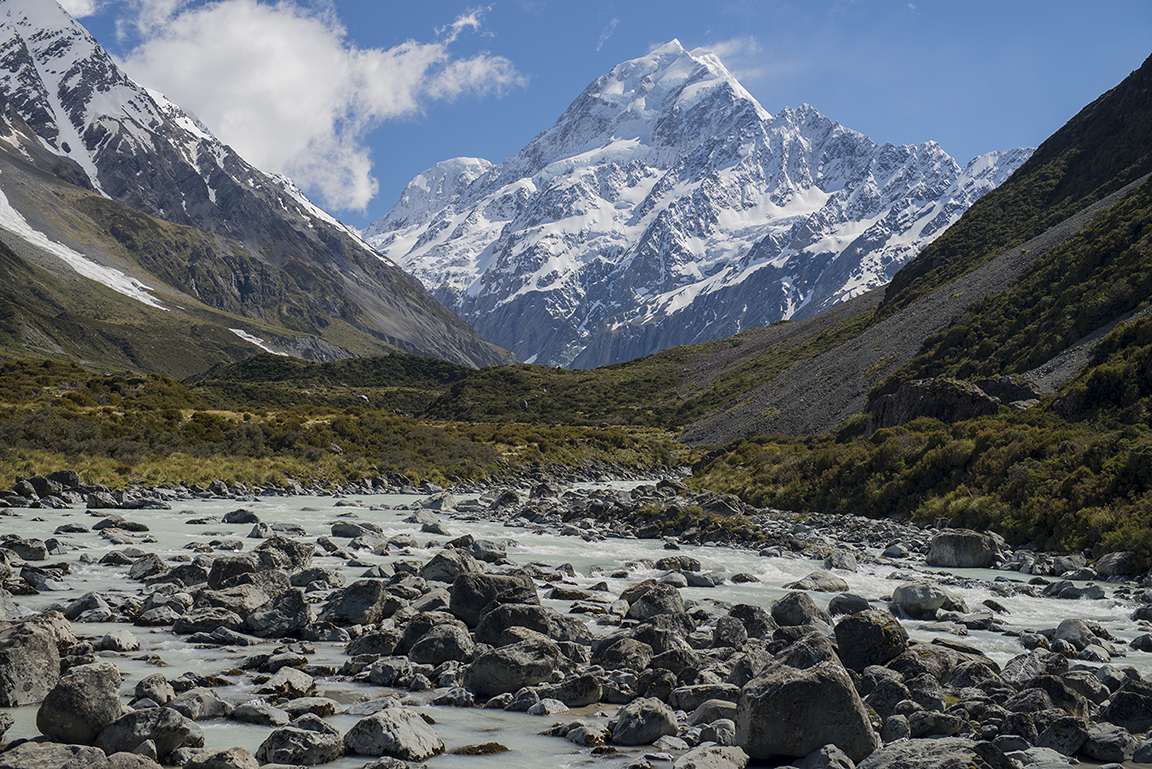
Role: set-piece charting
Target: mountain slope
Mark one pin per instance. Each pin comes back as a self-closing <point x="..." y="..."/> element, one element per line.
<point x="98" y="129"/>
<point x="666" y="207"/>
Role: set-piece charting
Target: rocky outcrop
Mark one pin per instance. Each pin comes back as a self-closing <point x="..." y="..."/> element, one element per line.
<point x="948" y="400"/>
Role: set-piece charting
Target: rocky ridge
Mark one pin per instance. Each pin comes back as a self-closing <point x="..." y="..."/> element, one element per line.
<point x="69" y="111"/>
<point x="667" y="207"/>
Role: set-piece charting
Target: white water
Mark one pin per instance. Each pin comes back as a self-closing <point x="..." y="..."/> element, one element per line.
<point x="592" y="561"/>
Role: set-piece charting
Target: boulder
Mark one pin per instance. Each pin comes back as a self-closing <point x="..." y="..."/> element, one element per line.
<point x="509" y="668"/>
<point x="503" y="616"/>
<point x="870" y="637"/>
<point x="448" y="564"/>
<point x="201" y="705"/>
<point x="232" y="758"/>
<point x="285" y="615"/>
<point x="819" y="581"/>
<point x="81" y="704"/>
<point x="50" y="755"/>
<point x="790" y="713"/>
<point x="395" y="732"/>
<point x="294" y="745"/>
<point x="1123" y="563"/>
<point x="278" y="552"/>
<point x="962" y="549"/>
<point x="156" y="688"/>
<point x="944" y="753"/>
<point x="471" y="593"/>
<point x="166" y="728"/>
<point x="660" y="598"/>
<point x="797" y="608"/>
<point x="642" y="722"/>
<point x="948" y="400"/>
<point x="1130" y="707"/>
<point x="443" y="643"/>
<point x="921" y="600"/>
<point x="30" y="657"/>
<point x="364" y="602"/>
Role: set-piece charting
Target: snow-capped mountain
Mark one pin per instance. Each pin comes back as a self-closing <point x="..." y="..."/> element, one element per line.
<point x="667" y="207"/>
<point x="131" y="145"/>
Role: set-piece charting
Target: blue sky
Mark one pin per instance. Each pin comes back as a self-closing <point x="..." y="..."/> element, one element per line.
<point x="352" y="98"/>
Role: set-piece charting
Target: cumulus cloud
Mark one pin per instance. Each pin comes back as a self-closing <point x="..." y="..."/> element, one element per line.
<point x="284" y="86"/>
<point x="78" y="9"/>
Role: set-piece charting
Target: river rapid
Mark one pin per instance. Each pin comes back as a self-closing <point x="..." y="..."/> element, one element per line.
<point x="618" y="562"/>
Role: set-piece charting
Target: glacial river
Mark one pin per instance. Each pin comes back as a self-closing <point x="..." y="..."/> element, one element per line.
<point x="592" y="561"/>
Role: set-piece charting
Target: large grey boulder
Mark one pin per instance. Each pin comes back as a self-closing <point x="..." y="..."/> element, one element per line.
<point x="509" y="668"/>
<point x="201" y="705"/>
<point x="660" y="598"/>
<point x="921" y="600"/>
<point x="948" y="400"/>
<point x="789" y="713"/>
<point x="278" y="552"/>
<point x="471" y="593"/>
<point x="1130" y="706"/>
<point x="232" y="758"/>
<point x="798" y="608"/>
<point x="285" y="615"/>
<point x="642" y="722"/>
<point x="963" y="549"/>
<point x="870" y="637"/>
<point x="207" y="619"/>
<point x="241" y="600"/>
<point x="296" y="745"/>
<point x="30" y="657"/>
<point x="395" y="732"/>
<point x="81" y="704"/>
<point x="713" y="757"/>
<point x="364" y="602"/>
<point x="443" y="643"/>
<point x="53" y="755"/>
<point x="819" y="581"/>
<point x="166" y="728"/>
<point x="944" y="753"/>
<point x="448" y="564"/>
<point x="506" y="615"/>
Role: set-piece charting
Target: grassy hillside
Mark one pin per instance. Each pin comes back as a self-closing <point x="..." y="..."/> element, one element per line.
<point x="1103" y="148"/>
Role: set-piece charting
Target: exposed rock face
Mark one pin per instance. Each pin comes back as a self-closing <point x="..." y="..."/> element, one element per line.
<point x="948" y="400"/>
<point x="667" y="207"/>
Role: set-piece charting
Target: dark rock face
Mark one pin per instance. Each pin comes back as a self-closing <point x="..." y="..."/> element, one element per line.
<point x="948" y="400"/>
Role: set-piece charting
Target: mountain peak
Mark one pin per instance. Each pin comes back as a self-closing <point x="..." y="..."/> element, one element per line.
<point x="666" y="206"/>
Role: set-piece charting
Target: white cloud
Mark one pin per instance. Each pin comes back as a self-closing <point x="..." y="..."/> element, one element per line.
<point x="286" y="89"/>
<point x="741" y="56"/>
<point x="607" y="33"/>
<point x="78" y="9"/>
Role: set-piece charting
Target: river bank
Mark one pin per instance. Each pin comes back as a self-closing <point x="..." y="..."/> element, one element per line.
<point x="555" y="594"/>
